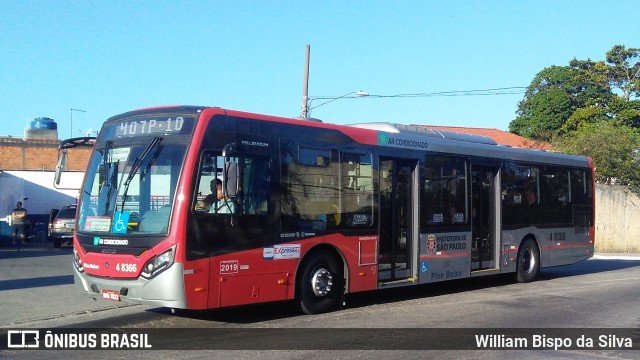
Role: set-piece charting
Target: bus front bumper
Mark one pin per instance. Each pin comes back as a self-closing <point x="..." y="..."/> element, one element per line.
<point x="164" y="290"/>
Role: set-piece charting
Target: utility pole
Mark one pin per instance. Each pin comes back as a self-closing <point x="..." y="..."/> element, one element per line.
<point x="305" y="86"/>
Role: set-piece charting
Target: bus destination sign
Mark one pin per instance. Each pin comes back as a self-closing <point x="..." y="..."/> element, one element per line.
<point x="155" y="126"/>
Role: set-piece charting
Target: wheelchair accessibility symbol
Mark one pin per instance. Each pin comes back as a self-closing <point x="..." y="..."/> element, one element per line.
<point x="120" y="222"/>
<point x="424" y="266"/>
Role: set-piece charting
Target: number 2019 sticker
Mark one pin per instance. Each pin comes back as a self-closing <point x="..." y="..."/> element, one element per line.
<point x="229" y="267"/>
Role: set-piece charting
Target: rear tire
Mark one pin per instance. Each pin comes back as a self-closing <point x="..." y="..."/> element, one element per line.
<point x="321" y="283"/>
<point x="57" y="242"/>
<point x="528" y="266"/>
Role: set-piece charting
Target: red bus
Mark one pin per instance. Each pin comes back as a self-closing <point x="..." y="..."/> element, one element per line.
<point x="200" y="207"/>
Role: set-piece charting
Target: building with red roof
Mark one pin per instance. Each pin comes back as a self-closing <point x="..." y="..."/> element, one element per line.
<point x="499" y="136"/>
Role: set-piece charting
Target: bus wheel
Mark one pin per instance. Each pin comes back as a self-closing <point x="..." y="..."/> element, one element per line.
<point x="321" y="284"/>
<point x="528" y="262"/>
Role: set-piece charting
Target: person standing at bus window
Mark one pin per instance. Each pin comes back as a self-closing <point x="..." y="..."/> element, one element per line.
<point x="222" y="205"/>
<point x="529" y="195"/>
<point x="563" y="195"/>
<point x="18" y="220"/>
<point x="453" y="183"/>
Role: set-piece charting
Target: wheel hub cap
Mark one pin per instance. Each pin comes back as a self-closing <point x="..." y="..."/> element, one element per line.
<point x="321" y="282"/>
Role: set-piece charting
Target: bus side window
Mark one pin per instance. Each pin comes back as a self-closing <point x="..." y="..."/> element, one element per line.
<point x="247" y="180"/>
<point x="205" y="193"/>
<point x="356" y="191"/>
<point x="255" y="185"/>
<point x="444" y="191"/>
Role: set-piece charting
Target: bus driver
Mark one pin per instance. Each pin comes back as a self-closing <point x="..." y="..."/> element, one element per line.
<point x="222" y="205"/>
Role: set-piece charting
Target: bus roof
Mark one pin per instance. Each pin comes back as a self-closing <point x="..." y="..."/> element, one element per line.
<point x="368" y="133"/>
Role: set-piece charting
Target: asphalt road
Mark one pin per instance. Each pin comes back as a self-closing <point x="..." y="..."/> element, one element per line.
<point x="36" y="292"/>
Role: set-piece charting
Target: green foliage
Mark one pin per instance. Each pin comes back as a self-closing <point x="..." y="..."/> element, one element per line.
<point x="615" y="150"/>
<point x="561" y="99"/>
<point x="589" y="108"/>
<point x="585" y="116"/>
<point x="553" y="97"/>
<point x="624" y="71"/>
<point x="626" y="112"/>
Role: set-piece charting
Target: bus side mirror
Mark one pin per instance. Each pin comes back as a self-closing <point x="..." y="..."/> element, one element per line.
<point x="62" y="157"/>
<point x="231" y="179"/>
<point x="229" y="150"/>
<point x="62" y="160"/>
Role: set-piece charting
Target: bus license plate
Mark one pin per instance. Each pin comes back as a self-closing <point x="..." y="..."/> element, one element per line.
<point x="113" y="295"/>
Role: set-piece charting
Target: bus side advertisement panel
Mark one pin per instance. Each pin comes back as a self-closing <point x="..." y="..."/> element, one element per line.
<point x="444" y="256"/>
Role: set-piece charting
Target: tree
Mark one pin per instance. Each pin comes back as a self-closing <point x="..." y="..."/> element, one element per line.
<point x="589" y="108"/>
<point x="555" y="94"/>
<point x="560" y="98"/>
<point x="546" y="105"/>
<point x="624" y="70"/>
<point x="584" y="116"/>
<point x="615" y="150"/>
<point x="591" y="83"/>
<point x="626" y="112"/>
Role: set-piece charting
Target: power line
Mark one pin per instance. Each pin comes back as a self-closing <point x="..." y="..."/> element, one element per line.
<point x="513" y="90"/>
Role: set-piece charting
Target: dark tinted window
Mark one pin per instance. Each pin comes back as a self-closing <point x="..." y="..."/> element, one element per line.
<point x="581" y="183"/>
<point x="520" y="194"/>
<point x="444" y="191"/>
<point x="555" y="199"/>
<point x="67" y="213"/>
<point x="542" y="195"/>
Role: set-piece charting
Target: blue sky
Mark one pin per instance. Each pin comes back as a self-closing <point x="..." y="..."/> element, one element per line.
<point x="109" y="57"/>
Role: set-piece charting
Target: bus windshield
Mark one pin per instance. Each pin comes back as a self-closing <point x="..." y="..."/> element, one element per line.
<point x="130" y="186"/>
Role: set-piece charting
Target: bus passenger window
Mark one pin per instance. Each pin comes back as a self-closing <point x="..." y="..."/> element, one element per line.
<point x="356" y="190"/>
<point x="444" y="191"/>
<point x="529" y="193"/>
<point x="254" y="185"/>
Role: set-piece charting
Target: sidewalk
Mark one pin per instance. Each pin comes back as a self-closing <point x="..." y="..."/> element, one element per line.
<point x="617" y="256"/>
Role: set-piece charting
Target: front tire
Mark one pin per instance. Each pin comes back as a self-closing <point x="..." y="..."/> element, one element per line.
<point x="528" y="266"/>
<point x="321" y="283"/>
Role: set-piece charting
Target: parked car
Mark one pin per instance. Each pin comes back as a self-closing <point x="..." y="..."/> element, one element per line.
<point x="61" y="225"/>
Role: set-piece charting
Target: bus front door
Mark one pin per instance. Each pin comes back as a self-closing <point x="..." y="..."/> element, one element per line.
<point x="398" y="183"/>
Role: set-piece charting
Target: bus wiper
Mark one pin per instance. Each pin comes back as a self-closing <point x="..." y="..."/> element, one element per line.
<point x="109" y="178"/>
<point x="106" y="165"/>
<point x="136" y="165"/>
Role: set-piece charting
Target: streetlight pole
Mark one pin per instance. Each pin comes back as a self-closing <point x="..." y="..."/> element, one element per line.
<point x="72" y="110"/>
<point x="331" y="99"/>
<point x="305" y="86"/>
<point x="306" y="109"/>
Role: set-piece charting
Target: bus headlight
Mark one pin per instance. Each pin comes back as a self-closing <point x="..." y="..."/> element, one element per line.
<point x="76" y="260"/>
<point x="158" y="264"/>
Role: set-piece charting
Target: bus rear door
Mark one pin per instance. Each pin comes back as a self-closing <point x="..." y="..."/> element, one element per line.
<point x="485" y="220"/>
